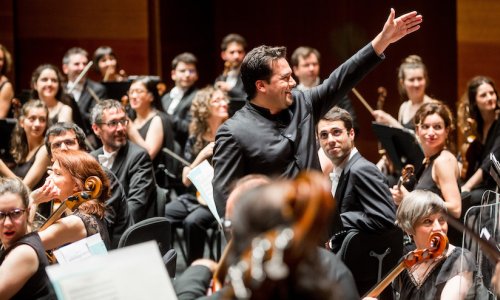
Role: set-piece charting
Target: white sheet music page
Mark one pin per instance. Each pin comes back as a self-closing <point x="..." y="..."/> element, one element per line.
<point x="130" y="273"/>
<point x="201" y="176"/>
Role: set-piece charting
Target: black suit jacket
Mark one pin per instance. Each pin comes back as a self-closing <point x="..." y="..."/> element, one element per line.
<point x="134" y="170"/>
<point x="182" y="114"/>
<point x="117" y="217"/>
<point x="254" y="141"/>
<point x="87" y="101"/>
<point x="364" y="201"/>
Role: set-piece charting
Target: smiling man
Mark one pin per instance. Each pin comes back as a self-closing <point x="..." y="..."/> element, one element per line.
<point x="128" y="161"/>
<point x="274" y="133"/>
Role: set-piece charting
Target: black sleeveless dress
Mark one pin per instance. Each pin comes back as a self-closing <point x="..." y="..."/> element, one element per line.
<point x="38" y="286"/>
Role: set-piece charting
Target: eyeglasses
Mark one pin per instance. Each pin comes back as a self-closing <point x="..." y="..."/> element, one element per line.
<point x="336" y="132"/>
<point x="68" y="143"/>
<point x="114" y="123"/>
<point x="13" y="214"/>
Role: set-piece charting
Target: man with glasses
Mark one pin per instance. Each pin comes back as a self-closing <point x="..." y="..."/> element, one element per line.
<point x="177" y="102"/>
<point x="68" y="136"/>
<point x="129" y="162"/>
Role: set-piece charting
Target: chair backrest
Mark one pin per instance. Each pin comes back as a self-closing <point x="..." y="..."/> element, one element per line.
<point x="170" y="260"/>
<point x="157" y="228"/>
<point x="371" y="256"/>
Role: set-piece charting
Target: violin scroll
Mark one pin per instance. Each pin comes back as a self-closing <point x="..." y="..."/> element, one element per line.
<point x="438" y="244"/>
<point x="406" y="174"/>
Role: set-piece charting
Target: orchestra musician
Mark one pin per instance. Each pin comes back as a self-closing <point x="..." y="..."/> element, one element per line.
<point x="482" y="101"/>
<point x="68" y="174"/>
<point x="209" y="110"/>
<point x="448" y="276"/>
<point x="440" y="172"/>
<point x="85" y="91"/>
<point x="274" y="133"/>
<point x="106" y="64"/>
<point x="413" y="80"/>
<point x="232" y="53"/>
<point x="264" y="213"/>
<point x="27" y="149"/>
<point x="177" y="102"/>
<point x="47" y="86"/>
<point x="6" y="88"/>
<point x="23" y="261"/>
<point x="150" y="127"/>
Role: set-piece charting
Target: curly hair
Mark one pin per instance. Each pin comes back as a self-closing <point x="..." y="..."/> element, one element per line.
<point x="200" y="111"/>
<point x="441" y="109"/>
<point x="81" y="165"/>
<point x="19" y="140"/>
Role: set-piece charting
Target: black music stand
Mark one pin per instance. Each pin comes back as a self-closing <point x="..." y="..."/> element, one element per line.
<point x="495" y="169"/>
<point x="401" y="146"/>
<point x="116" y="89"/>
<point x="6" y="127"/>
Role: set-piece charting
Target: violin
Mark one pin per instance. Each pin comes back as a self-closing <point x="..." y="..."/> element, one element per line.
<point x="438" y="245"/>
<point x="406" y="174"/>
<point x="92" y="190"/>
<point x="228" y="66"/>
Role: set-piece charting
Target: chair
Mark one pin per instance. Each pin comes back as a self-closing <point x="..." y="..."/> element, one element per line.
<point x="371" y="256"/>
<point x="170" y="260"/>
<point x="157" y="228"/>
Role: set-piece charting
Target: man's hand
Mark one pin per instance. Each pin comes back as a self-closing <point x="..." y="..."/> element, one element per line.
<point x="395" y="29"/>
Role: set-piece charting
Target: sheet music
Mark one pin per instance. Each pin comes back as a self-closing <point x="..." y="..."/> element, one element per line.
<point x="201" y="176"/>
<point x="130" y="273"/>
<point x="82" y="249"/>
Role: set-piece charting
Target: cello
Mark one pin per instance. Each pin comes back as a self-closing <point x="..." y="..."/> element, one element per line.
<point x="438" y="245"/>
<point x="92" y="190"/>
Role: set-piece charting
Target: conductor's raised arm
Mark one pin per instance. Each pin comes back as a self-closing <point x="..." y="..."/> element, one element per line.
<point x="395" y="29"/>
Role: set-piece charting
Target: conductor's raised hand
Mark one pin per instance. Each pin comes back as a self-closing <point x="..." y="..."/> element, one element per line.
<point x="395" y="29"/>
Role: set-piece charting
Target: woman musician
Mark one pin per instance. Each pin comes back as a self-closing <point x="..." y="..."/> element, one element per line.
<point x="68" y="174"/>
<point x="209" y="110"/>
<point x="23" y="260"/>
<point x="440" y="172"/>
<point x="481" y="101"/>
<point x="412" y="85"/>
<point x="448" y="276"/>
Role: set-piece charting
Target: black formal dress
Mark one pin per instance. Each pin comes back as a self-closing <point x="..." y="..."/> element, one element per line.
<point x="38" y="286"/>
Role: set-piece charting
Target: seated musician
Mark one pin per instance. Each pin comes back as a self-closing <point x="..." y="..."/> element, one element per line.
<point x="151" y="127"/>
<point x="262" y="212"/>
<point x="481" y="102"/>
<point x="439" y="173"/>
<point x="420" y="214"/>
<point x="27" y="149"/>
<point x="209" y="109"/>
<point x="23" y="261"/>
<point x="67" y="176"/>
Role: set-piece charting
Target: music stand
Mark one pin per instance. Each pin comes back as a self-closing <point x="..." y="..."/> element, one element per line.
<point x="495" y="169"/>
<point x="116" y="89"/>
<point x="6" y="127"/>
<point x="401" y="146"/>
<point x="235" y="104"/>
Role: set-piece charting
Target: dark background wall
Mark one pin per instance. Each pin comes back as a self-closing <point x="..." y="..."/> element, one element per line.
<point x="147" y="34"/>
